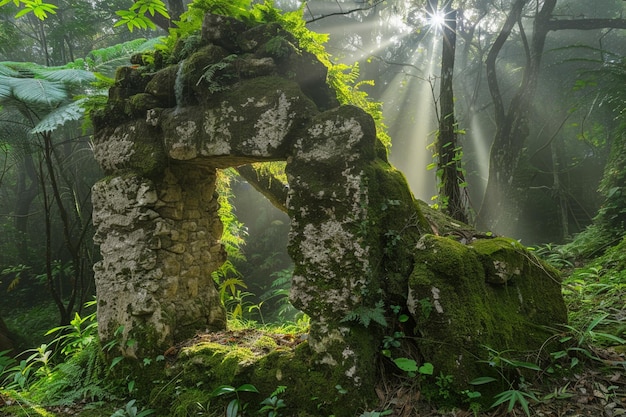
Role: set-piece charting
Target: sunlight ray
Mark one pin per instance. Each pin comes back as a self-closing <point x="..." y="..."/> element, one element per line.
<point x="415" y="132"/>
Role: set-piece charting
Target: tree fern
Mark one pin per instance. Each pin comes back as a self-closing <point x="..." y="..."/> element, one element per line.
<point x="106" y="60"/>
<point x="36" y="91"/>
<point x="14" y="135"/>
<point x="65" y="75"/>
<point x="60" y="116"/>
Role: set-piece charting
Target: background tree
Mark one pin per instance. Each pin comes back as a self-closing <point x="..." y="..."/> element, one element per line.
<point x="504" y="193"/>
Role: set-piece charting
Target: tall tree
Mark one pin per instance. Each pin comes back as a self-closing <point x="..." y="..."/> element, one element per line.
<point x="503" y="194"/>
<point x="40" y="125"/>
<point x="449" y="164"/>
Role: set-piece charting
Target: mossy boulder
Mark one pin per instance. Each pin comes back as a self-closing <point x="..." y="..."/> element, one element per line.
<point x="489" y="294"/>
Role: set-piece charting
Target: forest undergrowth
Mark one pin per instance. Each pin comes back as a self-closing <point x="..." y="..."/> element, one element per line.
<point x="580" y="371"/>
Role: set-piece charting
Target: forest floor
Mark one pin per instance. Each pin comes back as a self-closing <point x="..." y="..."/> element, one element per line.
<point x="594" y="392"/>
<point x="591" y="377"/>
<point x="597" y="389"/>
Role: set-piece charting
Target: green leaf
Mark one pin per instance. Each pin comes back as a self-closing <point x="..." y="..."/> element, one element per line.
<point x="232" y="410"/>
<point x="426" y="369"/>
<point x="66" y="75"/>
<point x="406" y="364"/>
<point x="6" y="69"/>
<point x="38" y="91"/>
<point x="513" y="397"/>
<point x="247" y="388"/>
<point x="60" y="116"/>
<point x="482" y="380"/>
<point x="222" y="390"/>
<point x="527" y="365"/>
<point x="42" y="12"/>
<point x="22" y="13"/>
<point x="610" y="337"/>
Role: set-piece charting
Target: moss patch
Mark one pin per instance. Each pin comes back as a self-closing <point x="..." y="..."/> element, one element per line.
<point x="263" y="359"/>
<point x="466" y="314"/>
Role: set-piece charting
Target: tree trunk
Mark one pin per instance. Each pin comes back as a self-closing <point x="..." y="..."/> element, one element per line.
<point x="27" y="190"/>
<point x="449" y="170"/>
<point x="500" y="203"/>
<point x="559" y="192"/>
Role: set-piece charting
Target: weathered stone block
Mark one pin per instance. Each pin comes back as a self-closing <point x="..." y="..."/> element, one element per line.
<point x="458" y="312"/>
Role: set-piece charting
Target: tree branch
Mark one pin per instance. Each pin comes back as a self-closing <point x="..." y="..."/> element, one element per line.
<point x="342" y="13"/>
<point x="492" y="78"/>
<point x="586" y="24"/>
<point x="272" y="188"/>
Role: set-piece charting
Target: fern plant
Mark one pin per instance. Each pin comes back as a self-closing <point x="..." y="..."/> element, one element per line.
<point x="215" y="76"/>
<point x="364" y="315"/>
<point x="83" y="370"/>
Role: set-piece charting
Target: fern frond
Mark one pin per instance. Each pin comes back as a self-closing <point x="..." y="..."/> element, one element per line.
<point x="230" y="285"/>
<point x="365" y="315"/>
<point x="8" y="71"/>
<point x="213" y="77"/>
<point x="283" y="278"/>
<point x="80" y="377"/>
<point x="106" y="60"/>
<point x="5" y="90"/>
<point x="37" y="91"/>
<point x="60" y="116"/>
<point x="275" y="169"/>
<point x="13" y="284"/>
<point x="66" y="75"/>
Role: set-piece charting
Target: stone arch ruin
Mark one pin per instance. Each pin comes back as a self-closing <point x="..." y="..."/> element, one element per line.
<point x="249" y="94"/>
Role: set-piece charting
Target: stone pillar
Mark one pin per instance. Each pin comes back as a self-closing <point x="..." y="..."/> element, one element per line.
<point x="159" y="242"/>
<point x="335" y="265"/>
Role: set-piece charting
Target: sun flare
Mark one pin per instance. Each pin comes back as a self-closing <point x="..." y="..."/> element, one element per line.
<point x="436" y="20"/>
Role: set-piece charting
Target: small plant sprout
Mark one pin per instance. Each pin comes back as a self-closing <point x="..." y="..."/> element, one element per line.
<point x="272" y="404"/>
<point x="235" y="407"/>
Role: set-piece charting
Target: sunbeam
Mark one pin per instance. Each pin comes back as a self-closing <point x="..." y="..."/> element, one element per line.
<point x="415" y="128"/>
<point x="481" y="152"/>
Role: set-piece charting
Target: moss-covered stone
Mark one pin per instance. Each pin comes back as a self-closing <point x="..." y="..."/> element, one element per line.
<point x="310" y="390"/>
<point x="459" y="314"/>
<point x="140" y="103"/>
<point x="162" y="86"/>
